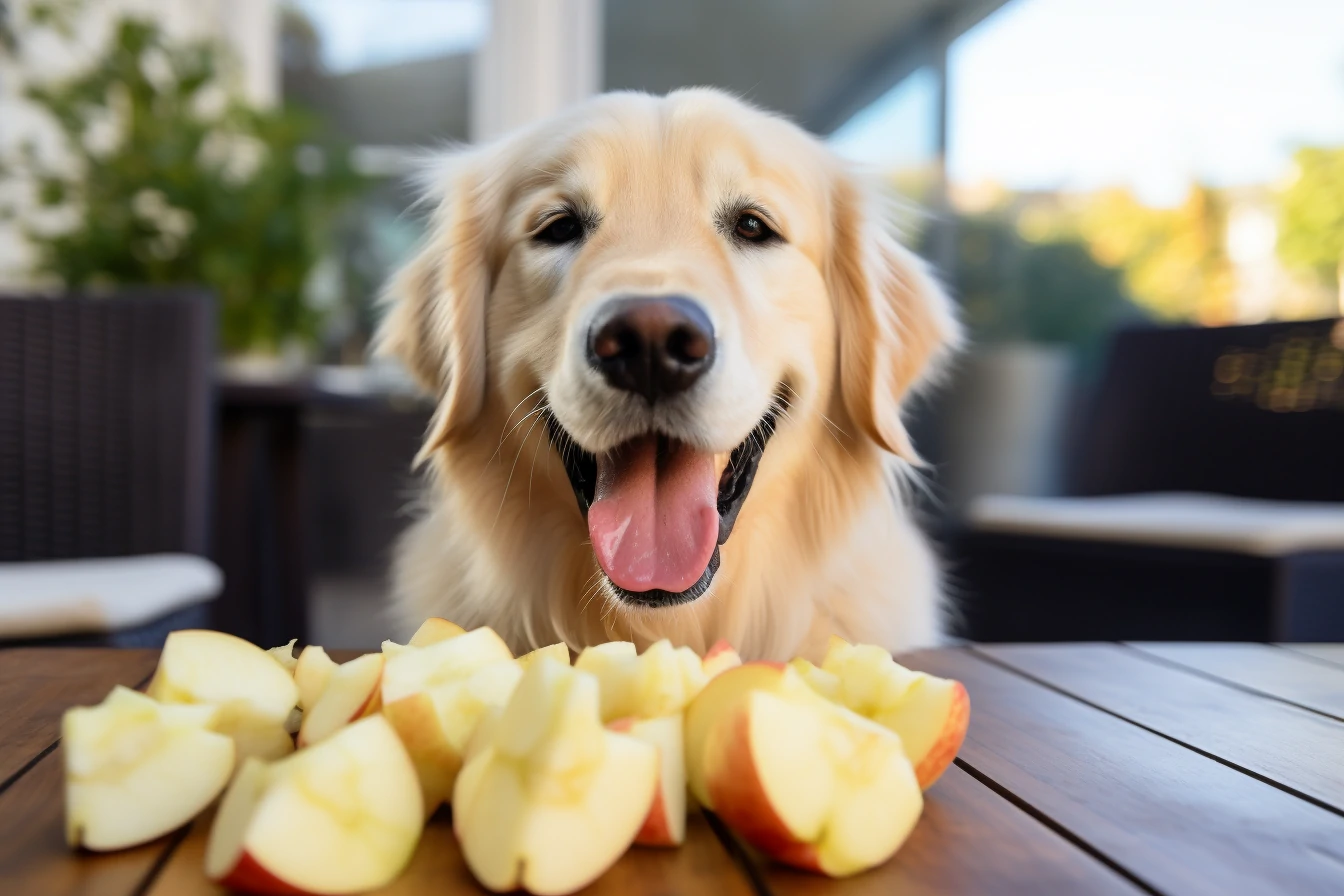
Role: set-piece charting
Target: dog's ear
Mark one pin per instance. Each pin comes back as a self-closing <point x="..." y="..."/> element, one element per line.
<point x="895" y="322"/>
<point x="435" y="323"/>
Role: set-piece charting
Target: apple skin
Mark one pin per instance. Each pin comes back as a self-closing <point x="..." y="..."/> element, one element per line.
<point x="949" y="741"/>
<point x="248" y="876"/>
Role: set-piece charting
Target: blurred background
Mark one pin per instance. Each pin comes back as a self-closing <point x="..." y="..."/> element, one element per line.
<point x="1138" y="205"/>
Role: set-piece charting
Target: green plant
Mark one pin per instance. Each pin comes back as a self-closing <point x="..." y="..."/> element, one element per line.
<point x="1311" y="216"/>
<point x="164" y="175"/>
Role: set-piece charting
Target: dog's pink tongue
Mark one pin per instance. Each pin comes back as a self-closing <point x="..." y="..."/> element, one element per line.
<point x="654" y="521"/>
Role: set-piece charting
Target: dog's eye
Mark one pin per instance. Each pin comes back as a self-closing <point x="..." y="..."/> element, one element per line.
<point x="752" y="229"/>
<point x="564" y="229"/>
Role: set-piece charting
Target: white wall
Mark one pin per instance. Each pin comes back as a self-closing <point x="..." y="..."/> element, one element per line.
<point x="539" y="57"/>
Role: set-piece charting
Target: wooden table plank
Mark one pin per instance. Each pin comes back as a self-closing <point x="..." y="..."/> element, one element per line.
<point x="33" y="856"/>
<point x="1331" y="653"/>
<point x="969" y="841"/>
<point x="701" y="865"/>
<point x="1299" y="749"/>
<point x="38" y="684"/>
<point x="1263" y="668"/>
<point x="1170" y="817"/>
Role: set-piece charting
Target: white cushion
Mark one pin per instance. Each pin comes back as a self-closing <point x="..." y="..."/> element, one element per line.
<point x="61" y="597"/>
<point x="1176" y="519"/>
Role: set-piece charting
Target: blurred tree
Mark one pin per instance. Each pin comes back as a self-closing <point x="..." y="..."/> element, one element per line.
<point x="1174" y="259"/>
<point x="164" y="175"/>
<point x="1051" y="291"/>
<point x="1311" y="217"/>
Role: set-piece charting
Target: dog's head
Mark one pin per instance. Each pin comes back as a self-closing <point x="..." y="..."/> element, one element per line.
<point x="668" y="281"/>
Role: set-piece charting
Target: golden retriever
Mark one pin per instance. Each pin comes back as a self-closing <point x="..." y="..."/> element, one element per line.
<point x="669" y="338"/>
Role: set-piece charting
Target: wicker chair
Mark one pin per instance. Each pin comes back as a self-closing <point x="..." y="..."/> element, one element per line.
<point x="106" y="410"/>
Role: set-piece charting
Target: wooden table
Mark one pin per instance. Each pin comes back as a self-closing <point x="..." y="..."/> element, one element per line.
<point x="1088" y="768"/>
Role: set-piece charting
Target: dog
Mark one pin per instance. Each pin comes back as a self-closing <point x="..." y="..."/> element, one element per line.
<point x="669" y="338"/>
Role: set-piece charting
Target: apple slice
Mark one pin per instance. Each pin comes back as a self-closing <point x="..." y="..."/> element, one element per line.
<point x="557" y="652"/>
<point x="198" y="666"/>
<point x="713" y="702"/>
<point x="930" y="714"/>
<point x="342" y="816"/>
<point x="553" y="799"/>
<point x="720" y="658"/>
<point x="808" y="782"/>
<point x="666" y="821"/>
<point x="434" y="696"/>
<point x="284" y="655"/>
<point x="312" y="671"/>
<point x="433" y="630"/>
<point x="352" y="692"/>
<point x="136" y="769"/>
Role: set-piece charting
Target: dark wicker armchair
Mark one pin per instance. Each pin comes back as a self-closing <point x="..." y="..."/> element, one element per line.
<point x="106" y="410"/>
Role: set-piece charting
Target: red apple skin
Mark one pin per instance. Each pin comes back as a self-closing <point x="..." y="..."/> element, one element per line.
<point x="655" y="831"/>
<point x="249" y="876"/>
<point x="740" y="799"/>
<point x="948" y="744"/>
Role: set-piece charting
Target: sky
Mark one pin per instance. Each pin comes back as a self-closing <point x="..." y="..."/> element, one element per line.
<point x="1151" y="94"/>
<point x="1045" y="94"/>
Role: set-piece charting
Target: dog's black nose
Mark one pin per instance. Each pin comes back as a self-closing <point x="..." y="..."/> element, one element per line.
<point x="655" y="347"/>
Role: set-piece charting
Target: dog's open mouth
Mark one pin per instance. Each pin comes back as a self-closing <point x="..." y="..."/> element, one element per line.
<point x="657" y="511"/>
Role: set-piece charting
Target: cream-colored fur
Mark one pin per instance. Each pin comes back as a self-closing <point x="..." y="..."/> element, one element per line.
<point x="493" y="324"/>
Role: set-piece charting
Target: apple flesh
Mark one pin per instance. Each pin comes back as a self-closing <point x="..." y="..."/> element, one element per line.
<point x="352" y="692"/>
<point x="284" y="655"/>
<point x="136" y="769"/>
<point x="557" y="652"/>
<point x="665" y="824"/>
<point x="552" y="799"/>
<point x="930" y="714"/>
<point x="435" y="696"/>
<point x="433" y="630"/>
<point x="312" y="671"/>
<point x="198" y="666"/>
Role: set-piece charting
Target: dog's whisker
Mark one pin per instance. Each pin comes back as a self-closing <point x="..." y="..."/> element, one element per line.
<point x="541" y="438"/>
<point x="513" y="468"/>
<point x="535" y="409"/>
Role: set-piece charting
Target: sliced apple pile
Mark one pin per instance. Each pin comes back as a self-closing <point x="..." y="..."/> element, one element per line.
<point x="930" y="714"/>
<point x="342" y="816"/>
<point x="553" y="770"/>
<point x="434" y="696"/>
<point x="136" y="769"/>
<point x="804" y="780"/>
<point x="253" y="691"/>
<point x="554" y="798"/>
